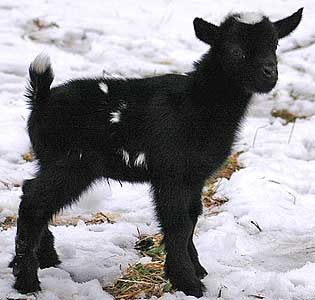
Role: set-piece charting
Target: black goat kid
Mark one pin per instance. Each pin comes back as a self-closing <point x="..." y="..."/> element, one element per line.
<point x="172" y="131"/>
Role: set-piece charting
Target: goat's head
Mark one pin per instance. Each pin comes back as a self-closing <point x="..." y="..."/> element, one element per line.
<point x="244" y="45"/>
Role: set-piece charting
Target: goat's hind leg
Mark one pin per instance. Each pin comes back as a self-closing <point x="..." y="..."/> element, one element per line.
<point x="34" y="214"/>
<point x="46" y="253"/>
<point x="54" y="188"/>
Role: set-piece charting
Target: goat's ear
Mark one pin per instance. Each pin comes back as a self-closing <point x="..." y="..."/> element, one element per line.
<point x="205" y="31"/>
<point x="287" y="25"/>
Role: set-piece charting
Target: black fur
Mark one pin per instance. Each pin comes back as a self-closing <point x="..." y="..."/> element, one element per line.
<point x="184" y="125"/>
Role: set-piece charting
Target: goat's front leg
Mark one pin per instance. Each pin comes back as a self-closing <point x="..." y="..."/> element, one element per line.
<point x="46" y="253"/>
<point x="172" y="205"/>
<point x="195" y="211"/>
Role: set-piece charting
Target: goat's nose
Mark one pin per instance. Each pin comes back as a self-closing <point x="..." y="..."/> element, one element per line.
<point x="269" y="71"/>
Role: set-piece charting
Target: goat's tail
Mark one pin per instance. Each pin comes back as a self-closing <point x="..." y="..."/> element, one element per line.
<point x="41" y="76"/>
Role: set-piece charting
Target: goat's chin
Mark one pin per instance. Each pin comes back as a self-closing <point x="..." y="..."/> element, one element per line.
<point x="261" y="88"/>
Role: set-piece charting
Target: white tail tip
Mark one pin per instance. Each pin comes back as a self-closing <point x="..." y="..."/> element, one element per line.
<point x="41" y="63"/>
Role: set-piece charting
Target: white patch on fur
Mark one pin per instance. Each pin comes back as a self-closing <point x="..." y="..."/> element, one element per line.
<point x="249" y="17"/>
<point x="125" y="156"/>
<point x="41" y="63"/>
<point x="122" y="105"/>
<point x="115" y="116"/>
<point x="140" y="161"/>
<point x="104" y="87"/>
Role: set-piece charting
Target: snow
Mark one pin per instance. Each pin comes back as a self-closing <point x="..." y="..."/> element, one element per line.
<point x="249" y="18"/>
<point x="275" y="190"/>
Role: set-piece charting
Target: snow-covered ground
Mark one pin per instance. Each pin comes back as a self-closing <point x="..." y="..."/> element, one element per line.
<point x="275" y="189"/>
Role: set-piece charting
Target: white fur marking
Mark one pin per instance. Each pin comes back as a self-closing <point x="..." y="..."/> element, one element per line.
<point x="104" y="87"/>
<point x="249" y="17"/>
<point x="125" y="156"/>
<point x="122" y="105"/>
<point x="41" y="63"/>
<point x="140" y="161"/>
<point x="115" y="116"/>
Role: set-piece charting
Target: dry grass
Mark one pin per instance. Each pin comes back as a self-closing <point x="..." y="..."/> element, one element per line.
<point x="41" y="24"/>
<point x="98" y="218"/>
<point x="141" y="281"/>
<point x="8" y="223"/>
<point x="286" y="115"/>
<point x="144" y="280"/>
<point x="226" y="171"/>
<point x="10" y="185"/>
<point x="28" y="156"/>
<point x="229" y="167"/>
<point x="151" y="246"/>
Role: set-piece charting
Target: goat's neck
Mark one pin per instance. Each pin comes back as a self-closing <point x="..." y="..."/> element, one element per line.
<point x="224" y="99"/>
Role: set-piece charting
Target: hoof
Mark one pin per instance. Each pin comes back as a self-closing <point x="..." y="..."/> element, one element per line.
<point x="194" y="288"/>
<point x="186" y="282"/>
<point x="25" y="271"/>
<point x="48" y="260"/>
<point x="48" y="264"/>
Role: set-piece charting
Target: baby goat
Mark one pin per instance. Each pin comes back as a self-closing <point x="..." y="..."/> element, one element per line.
<point x="171" y="131"/>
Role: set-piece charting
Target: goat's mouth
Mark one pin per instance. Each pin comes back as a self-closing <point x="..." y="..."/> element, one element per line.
<point x="263" y="86"/>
